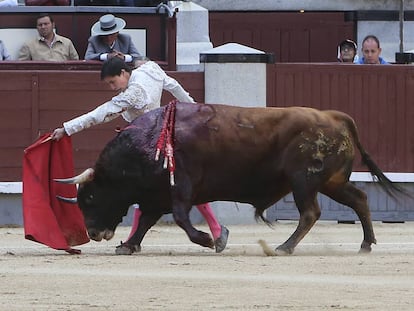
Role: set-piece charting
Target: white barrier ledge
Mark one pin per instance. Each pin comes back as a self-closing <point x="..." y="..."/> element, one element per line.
<point x="11" y="187"/>
<point x="17" y="187"/>
<point x="395" y="177"/>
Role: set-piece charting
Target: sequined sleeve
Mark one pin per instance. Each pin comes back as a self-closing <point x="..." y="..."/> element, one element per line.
<point x="104" y="113"/>
<point x="130" y="103"/>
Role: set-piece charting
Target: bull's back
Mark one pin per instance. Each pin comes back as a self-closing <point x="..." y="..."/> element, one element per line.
<point x="227" y="131"/>
<point x="230" y="130"/>
<point x="215" y="130"/>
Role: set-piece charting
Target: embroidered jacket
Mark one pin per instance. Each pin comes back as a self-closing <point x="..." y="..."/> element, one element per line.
<point x="143" y="94"/>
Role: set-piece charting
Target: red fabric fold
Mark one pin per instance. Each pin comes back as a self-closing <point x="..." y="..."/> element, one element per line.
<point x="48" y="220"/>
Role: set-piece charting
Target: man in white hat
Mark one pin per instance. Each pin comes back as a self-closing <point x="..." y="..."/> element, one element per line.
<point x="106" y="41"/>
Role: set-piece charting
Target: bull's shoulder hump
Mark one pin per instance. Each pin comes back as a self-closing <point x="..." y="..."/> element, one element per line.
<point x="310" y="111"/>
<point x="337" y="114"/>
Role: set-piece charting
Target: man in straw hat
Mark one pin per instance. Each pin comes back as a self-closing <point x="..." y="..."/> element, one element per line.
<point x="106" y="41"/>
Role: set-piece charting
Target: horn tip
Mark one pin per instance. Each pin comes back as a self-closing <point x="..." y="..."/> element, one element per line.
<point x="67" y="200"/>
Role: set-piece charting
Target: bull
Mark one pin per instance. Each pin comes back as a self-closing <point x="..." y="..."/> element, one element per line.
<point x="227" y="153"/>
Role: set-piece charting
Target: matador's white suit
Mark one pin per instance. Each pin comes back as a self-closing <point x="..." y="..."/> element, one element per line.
<point x="143" y="94"/>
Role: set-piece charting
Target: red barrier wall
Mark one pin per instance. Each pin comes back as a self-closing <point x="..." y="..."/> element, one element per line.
<point x="33" y="102"/>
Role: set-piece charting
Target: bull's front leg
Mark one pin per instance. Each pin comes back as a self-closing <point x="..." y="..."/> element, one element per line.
<point x="182" y="219"/>
<point x="146" y="221"/>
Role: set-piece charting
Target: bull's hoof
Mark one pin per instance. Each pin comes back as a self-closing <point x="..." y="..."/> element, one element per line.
<point x="203" y="239"/>
<point x="365" y="248"/>
<point x="283" y="251"/>
<point x="127" y="249"/>
<point x="221" y="242"/>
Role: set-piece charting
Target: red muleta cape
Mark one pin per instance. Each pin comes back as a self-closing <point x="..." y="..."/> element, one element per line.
<point x="48" y="220"/>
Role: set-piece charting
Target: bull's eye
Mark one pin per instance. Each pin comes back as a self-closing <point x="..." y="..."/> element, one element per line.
<point x="89" y="199"/>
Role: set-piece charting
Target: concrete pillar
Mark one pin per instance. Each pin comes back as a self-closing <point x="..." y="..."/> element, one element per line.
<point x="11" y="204"/>
<point x="235" y="75"/>
<point x="192" y="35"/>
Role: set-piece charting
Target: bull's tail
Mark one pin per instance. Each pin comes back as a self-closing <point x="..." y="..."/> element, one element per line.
<point x="387" y="185"/>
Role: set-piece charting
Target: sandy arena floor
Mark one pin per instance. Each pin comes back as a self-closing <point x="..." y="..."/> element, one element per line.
<point x="325" y="272"/>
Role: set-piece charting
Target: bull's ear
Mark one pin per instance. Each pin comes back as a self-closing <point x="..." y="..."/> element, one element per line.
<point x="83" y="177"/>
<point x="67" y="200"/>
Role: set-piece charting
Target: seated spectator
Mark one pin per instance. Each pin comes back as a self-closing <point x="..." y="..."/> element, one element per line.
<point x="8" y="3"/>
<point x="48" y="45"/>
<point x="4" y="55"/>
<point x="107" y="42"/>
<point x="347" y="51"/>
<point x="371" y="51"/>
<point x="47" y="2"/>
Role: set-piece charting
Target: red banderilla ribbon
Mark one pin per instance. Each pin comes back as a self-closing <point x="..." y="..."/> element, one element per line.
<point x="165" y="142"/>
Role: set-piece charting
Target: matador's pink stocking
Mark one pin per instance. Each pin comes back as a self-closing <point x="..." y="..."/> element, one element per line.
<point x="212" y="222"/>
<point x="135" y="221"/>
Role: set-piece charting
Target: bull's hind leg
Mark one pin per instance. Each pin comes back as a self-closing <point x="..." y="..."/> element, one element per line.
<point x="309" y="213"/>
<point x="356" y="199"/>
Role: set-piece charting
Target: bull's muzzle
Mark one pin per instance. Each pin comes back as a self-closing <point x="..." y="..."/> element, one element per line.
<point x="98" y="235"/>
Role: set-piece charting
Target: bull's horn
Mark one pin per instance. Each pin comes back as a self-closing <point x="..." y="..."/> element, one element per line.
<point x="87" y="175"/>
<point x="67" y="200"/>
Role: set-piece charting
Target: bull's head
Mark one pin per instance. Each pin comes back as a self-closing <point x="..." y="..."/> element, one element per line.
<point x="99" y="202"/>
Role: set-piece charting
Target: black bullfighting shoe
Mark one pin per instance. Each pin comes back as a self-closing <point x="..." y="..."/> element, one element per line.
<point x="127" y="249"/>
<point x="221" y="242"/>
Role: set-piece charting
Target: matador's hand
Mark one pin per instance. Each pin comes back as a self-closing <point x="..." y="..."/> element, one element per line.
<point x="58" y="133"/>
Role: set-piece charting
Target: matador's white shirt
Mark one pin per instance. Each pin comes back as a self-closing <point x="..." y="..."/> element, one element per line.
<point x="143" y="94"/>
